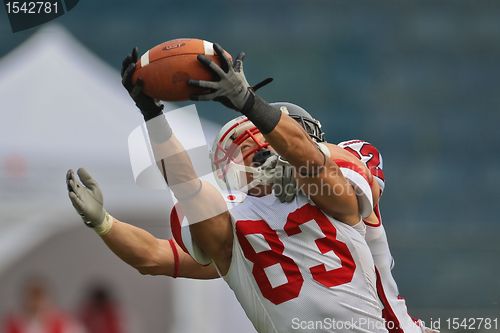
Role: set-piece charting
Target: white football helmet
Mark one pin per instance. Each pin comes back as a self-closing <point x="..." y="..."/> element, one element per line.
<point x="227" y="159"/>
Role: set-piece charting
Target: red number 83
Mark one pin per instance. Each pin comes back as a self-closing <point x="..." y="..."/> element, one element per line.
<point x="261" y="260"/>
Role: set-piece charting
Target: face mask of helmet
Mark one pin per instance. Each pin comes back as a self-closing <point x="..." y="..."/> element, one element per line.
<point x="227" y="158"/>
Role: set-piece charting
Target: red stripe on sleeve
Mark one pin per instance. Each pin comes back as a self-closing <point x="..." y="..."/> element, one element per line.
<point x="352" y="166"/>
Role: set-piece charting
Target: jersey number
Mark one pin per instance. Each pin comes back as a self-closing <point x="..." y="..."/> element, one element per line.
<point x="264" y="259"/>
<point x="373" y="162"/>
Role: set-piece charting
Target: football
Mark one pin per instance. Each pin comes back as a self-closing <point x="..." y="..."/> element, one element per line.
<point x="166" y="68"/>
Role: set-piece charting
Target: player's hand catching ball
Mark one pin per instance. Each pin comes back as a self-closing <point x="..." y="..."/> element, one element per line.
<point x="150" y="108"/>
<point x="86" y="197"/>
<point x="232" y="89"/>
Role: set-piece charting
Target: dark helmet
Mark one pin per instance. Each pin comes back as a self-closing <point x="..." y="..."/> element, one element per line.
<point x="308" y="123"/>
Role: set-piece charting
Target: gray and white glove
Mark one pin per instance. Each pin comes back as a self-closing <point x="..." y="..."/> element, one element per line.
<point x="86" y="197"/>
<point x="284" y="183"/>
<point x="232" y="89"/>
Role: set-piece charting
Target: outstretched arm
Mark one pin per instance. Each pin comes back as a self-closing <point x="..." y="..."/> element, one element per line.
<point x="201" y="203"/>
<point x="137" y="247"/>
<point x="154" y="256"/>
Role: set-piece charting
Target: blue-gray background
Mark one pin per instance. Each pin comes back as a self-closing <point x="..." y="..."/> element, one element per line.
<point x="419" y="79"/>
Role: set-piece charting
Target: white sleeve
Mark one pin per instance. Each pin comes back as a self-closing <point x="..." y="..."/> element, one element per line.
<point x="358" y="181"/>
<point x="395" y="310"/>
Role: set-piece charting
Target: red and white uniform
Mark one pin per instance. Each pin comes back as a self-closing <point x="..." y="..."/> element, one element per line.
<point x="295" y="269"/>
<point x="395" y="311"/>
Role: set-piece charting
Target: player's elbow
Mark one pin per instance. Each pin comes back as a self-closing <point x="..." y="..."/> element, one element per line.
<point x="219" y="250"/>
<point x="337" y="200"/>
<point x="216" y="242"/>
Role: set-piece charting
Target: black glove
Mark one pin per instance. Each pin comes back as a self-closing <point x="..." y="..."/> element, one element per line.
<point x="150" y="108"/>
<point x="232" y="89"/>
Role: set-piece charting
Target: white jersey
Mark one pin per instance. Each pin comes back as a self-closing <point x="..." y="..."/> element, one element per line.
<point x="395" y="311"/>
<point x="295" y="269"/>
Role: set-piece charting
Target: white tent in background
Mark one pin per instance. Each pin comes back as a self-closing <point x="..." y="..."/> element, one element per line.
<point x="62" y="108"/>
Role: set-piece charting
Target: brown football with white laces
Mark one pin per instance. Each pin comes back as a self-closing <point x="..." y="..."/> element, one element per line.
<point x="166" y="68"/>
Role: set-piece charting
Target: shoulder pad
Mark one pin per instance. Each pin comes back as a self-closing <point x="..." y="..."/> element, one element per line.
<point x="369" y="155"/>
